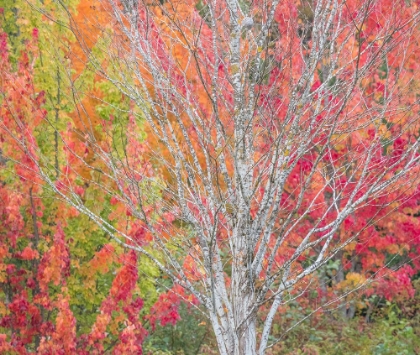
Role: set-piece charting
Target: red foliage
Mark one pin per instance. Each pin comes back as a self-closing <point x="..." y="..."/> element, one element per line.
<point x="121" y="299"/>
<point x="166" y="309"/>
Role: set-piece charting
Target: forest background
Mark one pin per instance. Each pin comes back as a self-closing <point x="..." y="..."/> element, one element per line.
<point x="67" y="288"/>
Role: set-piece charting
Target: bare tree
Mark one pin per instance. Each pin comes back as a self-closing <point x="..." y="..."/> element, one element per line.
<point x="271" y="130"/>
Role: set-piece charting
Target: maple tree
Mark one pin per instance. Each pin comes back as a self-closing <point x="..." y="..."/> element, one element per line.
<point x="285" y="135"/>
<point x="54" y="280"/>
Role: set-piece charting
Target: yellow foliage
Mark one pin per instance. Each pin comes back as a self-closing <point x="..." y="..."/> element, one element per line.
<point x="353" y="280"/>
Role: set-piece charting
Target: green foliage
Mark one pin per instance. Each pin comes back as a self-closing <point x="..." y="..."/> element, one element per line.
<point x="185" y="338"/>
<point x="391" y="332"/>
